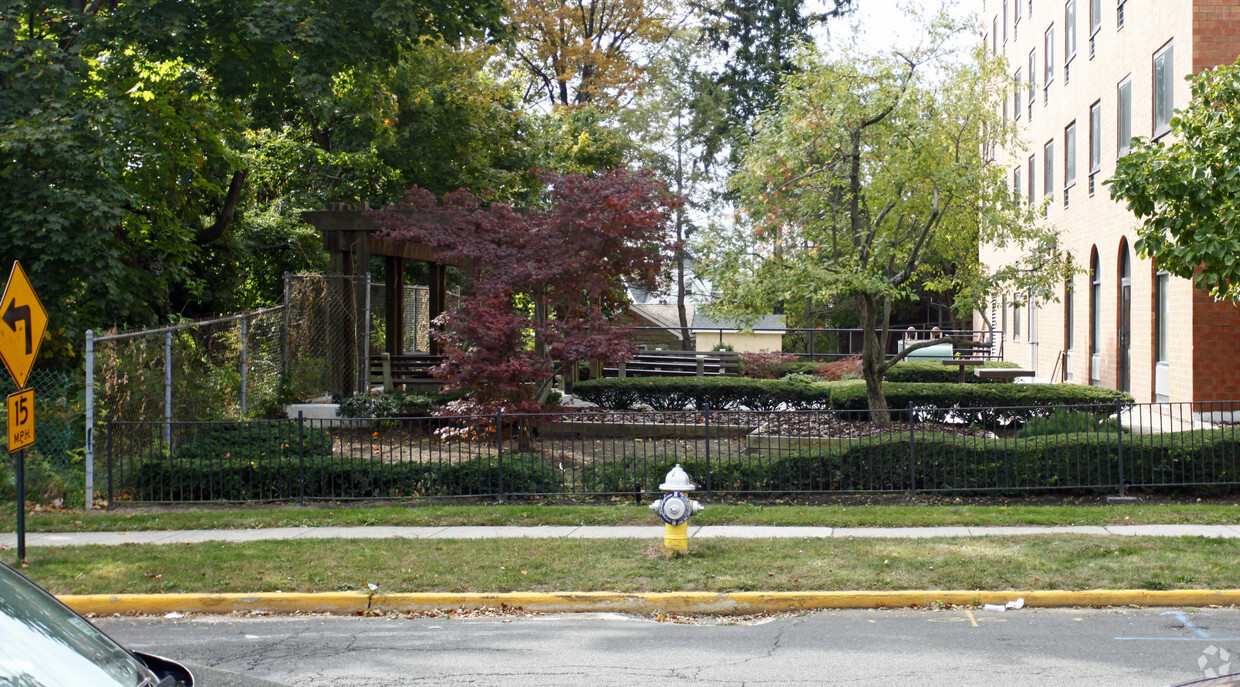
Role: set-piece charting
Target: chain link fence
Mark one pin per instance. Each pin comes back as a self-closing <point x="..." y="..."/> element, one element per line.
<point x="54" y="461"/>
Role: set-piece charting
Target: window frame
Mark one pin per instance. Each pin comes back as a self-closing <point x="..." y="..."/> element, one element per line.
<point x="1069" y="31"/>
<point x="1048" y="56"/>
<point x="1017" y="182"/>
<point x="1162" y="317"/>
<point x="1019" y="86"/>
<point x="1069" y="155"/>
<point x="1161" y="118"/>
<point x="1048" y="170"/>
<point x="1123" y="116"/>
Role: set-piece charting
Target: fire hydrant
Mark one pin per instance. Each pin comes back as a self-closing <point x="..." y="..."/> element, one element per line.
<point x="676" y="508"/>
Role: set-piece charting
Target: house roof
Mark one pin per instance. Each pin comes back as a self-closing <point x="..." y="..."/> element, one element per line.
<point x="701" y="321"/>
<point x="665" y="316"/>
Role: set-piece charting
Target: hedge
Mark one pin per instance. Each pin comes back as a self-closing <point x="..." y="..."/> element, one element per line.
<point x="730" y="393"/>
<point x="328" y="477"/>
<point x="917" y="371"/>
<point x="1083" y="463"/>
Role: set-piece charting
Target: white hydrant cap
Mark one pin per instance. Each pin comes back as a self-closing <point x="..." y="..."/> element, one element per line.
<point x="677" y="480"/>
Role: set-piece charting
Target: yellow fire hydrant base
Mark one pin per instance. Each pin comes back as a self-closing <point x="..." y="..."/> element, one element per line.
<point x="676" y="537"/>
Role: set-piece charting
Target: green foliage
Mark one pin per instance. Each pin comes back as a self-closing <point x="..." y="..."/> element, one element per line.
<point x="865" y="185"/>
<point x="937" y="400"/>
<point x="1085" y="462"/>
<point x="393" y="404"/>
<point x="277" y="476"/>
<point x="1068" y="422"/>
<point x="1184" y="187"/>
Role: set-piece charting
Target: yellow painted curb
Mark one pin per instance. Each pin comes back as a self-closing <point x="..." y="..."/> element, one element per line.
<point x="669" y="602"/>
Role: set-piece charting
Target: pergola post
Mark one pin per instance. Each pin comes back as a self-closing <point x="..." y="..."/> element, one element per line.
<point x="394" y="305"/>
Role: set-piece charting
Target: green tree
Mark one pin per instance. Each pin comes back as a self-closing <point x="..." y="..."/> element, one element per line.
<point x="1185" y="188"/>
<point x="870" y="170"/>
<point x="670" y="122"/>
<point x="123" y="130"/>
<point x="758" y="40"/>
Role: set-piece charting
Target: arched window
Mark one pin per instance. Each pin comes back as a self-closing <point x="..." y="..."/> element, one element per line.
<point x="1095" y="313"/>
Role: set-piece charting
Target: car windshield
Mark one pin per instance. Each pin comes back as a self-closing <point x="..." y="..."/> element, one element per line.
<point x="43" y="644"/>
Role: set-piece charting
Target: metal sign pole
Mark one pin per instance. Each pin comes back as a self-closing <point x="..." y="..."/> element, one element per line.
<point x="21" y="505"/>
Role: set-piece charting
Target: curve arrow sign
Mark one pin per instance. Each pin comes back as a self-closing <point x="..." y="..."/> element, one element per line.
<point x="19" y="313"/>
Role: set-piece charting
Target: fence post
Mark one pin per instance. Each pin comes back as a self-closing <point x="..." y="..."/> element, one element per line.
<point x="90" y="421"/>
<point x="912" y="452"/>
<point x="288" y="321"/>
<point x="168" y="390"/>
<point x="701" y="365"/>
<point x="111" y="493"/>
<point x="245" y="359"/>
<point x="621" y="369"/>
<point x="706" y="421"/>
<point x="301" y="459"/>
<point x="499" y="447"/>
<point x="1119" y="442"/>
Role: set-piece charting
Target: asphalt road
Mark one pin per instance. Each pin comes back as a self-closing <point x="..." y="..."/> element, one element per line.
<point x="1146" y="647"/>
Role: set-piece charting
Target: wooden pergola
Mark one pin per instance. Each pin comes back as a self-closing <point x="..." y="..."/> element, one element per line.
<point x="350" y="239"/>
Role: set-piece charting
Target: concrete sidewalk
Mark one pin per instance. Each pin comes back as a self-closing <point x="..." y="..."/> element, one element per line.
<point x="9" y="539"/>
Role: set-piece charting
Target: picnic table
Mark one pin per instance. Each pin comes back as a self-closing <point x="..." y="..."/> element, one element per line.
<point x="963" y="363"/>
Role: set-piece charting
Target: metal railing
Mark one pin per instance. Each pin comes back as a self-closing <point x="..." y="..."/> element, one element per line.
<point x="1108" y="448"/>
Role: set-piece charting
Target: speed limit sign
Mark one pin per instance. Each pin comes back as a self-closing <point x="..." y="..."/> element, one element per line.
<point x="21" y="420"/>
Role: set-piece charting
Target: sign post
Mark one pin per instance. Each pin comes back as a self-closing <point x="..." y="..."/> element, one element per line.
<point x="23" y="322"/>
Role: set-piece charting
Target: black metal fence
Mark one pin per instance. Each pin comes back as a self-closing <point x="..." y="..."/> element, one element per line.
<point x="1085" y="448"/>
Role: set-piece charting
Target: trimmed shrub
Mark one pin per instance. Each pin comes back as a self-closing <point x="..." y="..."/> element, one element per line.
<point x="393" y="404"/>
<point x="328" y="477"/>
<point x="937" y="401"/>
<point x="766" y="364"/>
<point x="989" y="403"/>
<point x="1068" y="422"/>
<point x="837" y="370"/>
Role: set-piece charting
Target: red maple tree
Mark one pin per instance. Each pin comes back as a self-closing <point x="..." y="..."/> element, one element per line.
<point x="541" y="282"/>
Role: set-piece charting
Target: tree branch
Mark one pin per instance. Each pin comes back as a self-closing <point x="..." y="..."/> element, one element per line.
<point x="225" y="218"/>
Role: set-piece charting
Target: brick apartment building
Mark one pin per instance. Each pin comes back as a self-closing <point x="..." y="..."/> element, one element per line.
<point x="1089" y="75"/>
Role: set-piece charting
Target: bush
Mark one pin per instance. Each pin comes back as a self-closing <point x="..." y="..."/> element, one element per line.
<point x="990" y="403"/>
<point x="836" y="370"/>
<point x="766" y="364"/>
<point x="328" y="477"/>
<point x="392" y="404"/>
<point x="934" y="371"/>
<point x="937" y="401"/>
<point x="1069" y="422"/>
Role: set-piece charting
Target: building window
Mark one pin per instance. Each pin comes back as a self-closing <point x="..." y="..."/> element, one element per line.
<point x="1123" y="117"/>
<point x="1033" y="86"/>
<point x="1016" y="185"/>
<point x="1069" y="334"/>
<point x="1015" y="318"/>
<point x="1095" y="143"/>
<point x="1095" y="304"/>
<point x="1019" y="86"/>
<point x="1015" y="17"/>
<point x="994" y="31"/>
<point x="1164" y="76"/>
<point x="1032" y="176"/>
<point x="1095" y="23"/>
<point x="1005" y="21"/>
<point x="1069" y="160"/>
<point x="1048" y="56"/>
<point x="1048" y="169"/>
<point x="1162" y="337"/>
<point x="1069" y="31"/>
<point x="1119" y="15"/>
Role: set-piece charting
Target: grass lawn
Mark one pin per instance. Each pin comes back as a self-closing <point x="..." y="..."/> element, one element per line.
<point x="996" y="563"/>
<point x="538" y="514"/>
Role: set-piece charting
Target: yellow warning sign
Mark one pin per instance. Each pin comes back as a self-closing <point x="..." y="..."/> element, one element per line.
<point x="21" y="420"/>
<point x="23" y="322"/>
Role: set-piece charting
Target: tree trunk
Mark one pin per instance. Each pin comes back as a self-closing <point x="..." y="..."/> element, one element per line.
<point x="873" y="358"/>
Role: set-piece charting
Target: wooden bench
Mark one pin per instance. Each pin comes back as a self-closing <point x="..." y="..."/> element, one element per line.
<point x="1004" y="373"/>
